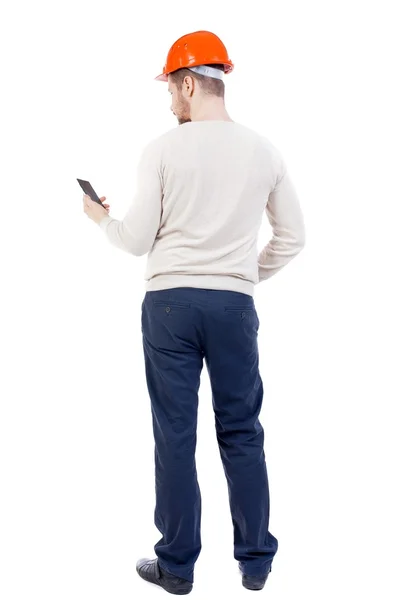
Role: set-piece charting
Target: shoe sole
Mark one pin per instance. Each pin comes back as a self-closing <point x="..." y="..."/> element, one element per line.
<point x="178" y="591"/>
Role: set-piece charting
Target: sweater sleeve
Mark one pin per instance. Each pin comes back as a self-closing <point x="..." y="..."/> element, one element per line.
<point x="136" y="233"/>
<point x="288" y="231"/>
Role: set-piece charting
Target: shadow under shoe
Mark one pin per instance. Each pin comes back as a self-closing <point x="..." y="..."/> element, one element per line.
<point x="151" y="571"/>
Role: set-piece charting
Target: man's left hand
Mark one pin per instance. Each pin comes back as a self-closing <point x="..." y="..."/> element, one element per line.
<point x="95" y="211"/>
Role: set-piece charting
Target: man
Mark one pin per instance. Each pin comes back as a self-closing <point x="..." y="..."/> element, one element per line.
<point x="203" y="188"/>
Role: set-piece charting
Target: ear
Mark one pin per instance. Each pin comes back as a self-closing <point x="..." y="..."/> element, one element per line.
<point x="188" y="86"/>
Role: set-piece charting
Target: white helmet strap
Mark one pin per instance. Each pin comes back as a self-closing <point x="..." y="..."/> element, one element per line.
<point x="208" y="71"/>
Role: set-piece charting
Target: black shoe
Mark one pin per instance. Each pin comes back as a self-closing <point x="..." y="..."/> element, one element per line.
<point x="254" y="582"/>
<point x="151" y="571"/>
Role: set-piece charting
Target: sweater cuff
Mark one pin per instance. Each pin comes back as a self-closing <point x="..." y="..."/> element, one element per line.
<point x="104" y="222"/>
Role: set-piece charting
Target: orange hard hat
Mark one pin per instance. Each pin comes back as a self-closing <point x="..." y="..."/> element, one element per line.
<point x="194" y="50"/>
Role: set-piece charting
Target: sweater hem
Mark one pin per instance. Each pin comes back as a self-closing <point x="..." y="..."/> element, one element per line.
<point x="210" y="282"/>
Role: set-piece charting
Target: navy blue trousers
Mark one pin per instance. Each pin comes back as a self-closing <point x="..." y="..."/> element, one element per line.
<point x="181" y="327"/>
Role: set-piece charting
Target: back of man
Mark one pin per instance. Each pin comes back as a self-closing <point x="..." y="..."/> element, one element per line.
<point x="217" y="177"/>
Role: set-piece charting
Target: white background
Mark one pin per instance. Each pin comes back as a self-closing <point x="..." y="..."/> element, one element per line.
<point x="322" y="81"/>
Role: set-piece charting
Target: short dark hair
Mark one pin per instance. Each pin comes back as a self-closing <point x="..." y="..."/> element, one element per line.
<point x="209" y="85"/>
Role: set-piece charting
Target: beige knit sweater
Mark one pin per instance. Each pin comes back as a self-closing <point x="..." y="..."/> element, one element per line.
<point x="202" y="191"/>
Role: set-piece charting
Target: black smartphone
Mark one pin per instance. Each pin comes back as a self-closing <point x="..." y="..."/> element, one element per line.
<point x="89" y="190"/>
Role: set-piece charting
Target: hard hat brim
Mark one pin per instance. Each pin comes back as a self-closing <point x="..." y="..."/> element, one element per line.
<point x="162" y="77"/>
